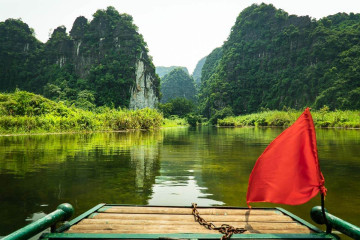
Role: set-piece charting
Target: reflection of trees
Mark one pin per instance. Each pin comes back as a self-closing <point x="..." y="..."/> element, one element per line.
<point x="22" y="154"/>
<point x="225" y="170"/>
<point x="86" y="169"/>
<point x="233" y="152"/>
<point x="144" y="159"/>
<point x="181" y="157"/>
<point x="82" y="169"/>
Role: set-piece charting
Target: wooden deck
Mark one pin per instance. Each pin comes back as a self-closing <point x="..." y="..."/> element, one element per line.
<point x="175" y="220"/>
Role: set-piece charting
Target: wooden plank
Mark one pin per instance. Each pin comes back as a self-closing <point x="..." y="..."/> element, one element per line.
<point x="175" y="220"/>
<point x="193" y="227"/>
<point x="142" y="228"/>
<point x="209" y="218"/>
<point x="161" y="231"/>
<point x="188" y="211"/>
<point x="150" y="224"/>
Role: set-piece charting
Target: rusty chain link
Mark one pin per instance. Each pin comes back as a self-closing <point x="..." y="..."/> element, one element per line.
<point x="225" y="229"/>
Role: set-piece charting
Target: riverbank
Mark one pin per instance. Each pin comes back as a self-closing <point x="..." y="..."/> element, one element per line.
<point x="322" y="118"/>
<point x="23" y="112"/>
<point x="77" y="121"/>
<point x="27" y="113"/>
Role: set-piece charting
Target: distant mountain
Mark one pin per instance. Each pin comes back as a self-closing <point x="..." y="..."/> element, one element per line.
<point x="177" y="84"/>
<point x="104" y="61"/>
<point x="275" y="60"/>
<point x="197" y="72"/>
<point x="162" y="71"/>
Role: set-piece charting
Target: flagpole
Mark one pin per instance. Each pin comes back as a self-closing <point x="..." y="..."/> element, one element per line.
<point x="328" y="225"/>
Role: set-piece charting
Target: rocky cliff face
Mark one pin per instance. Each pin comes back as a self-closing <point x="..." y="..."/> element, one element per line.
<point x="142" y="93"/>
<point x="106" y="57"/>
<point x="111" y="40"/>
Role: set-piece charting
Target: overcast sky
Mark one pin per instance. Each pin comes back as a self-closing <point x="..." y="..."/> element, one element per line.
<point x="178" y="32"/>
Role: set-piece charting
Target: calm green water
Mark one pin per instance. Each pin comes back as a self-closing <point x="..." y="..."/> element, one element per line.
<point x="210" y="166"/>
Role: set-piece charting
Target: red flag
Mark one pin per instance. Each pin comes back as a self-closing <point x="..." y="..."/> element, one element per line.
<point x="288" y="171"/>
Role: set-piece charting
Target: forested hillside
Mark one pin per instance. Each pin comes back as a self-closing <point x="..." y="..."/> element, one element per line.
<point x="162" y="71"/>
<point x="274" y="60"/>
<point x="100" y="62"/>
<point x="177" y="84"/>
<point x="197" y="72"/>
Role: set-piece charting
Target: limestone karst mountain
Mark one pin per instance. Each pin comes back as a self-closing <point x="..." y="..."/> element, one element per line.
<point x="104" y="61"/>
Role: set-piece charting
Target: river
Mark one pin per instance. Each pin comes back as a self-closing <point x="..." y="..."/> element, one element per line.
<point x="175" y="166"/>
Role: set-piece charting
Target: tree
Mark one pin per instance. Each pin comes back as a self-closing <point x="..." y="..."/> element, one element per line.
<point x="177" y="106"/>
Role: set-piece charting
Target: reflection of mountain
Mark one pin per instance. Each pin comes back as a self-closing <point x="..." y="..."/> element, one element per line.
<point x="180" y="170"/>
<point x="144" y="160"/>
<point x="39" y="172"/>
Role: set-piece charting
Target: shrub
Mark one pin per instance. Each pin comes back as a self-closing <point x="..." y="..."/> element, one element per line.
<point x="177" y="106"/>
<point x="220" y="114"/>
<point x="193" y="119"/>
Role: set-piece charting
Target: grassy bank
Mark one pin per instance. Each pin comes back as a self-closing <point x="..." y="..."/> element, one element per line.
<point x="322" y="118"/>
<point x="23" y="112"/>
<point x="174" y="121"/>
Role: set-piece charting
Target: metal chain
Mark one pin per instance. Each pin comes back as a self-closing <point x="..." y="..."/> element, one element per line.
<point x="225" y="229"/>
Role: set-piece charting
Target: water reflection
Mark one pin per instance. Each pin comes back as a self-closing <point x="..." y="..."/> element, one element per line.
<point x="210" y="166"/>
<point x="37" y="173"/>
<point x="171" y="192"/>
<point x="144" y="160"/>
<point x="180" y="180"/>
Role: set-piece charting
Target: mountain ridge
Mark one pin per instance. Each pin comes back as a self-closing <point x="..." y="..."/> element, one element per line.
<point x="273" y="60"/>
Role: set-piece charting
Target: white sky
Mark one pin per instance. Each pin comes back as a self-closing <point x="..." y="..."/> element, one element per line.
<point x="178" y="32"/>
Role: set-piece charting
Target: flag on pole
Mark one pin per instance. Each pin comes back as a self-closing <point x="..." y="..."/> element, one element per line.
<point x="288" y="171"/>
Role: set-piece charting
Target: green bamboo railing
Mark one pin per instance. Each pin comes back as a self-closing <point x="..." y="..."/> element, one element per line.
<point x="335" y="222"/>
<point x="63" y="212"/>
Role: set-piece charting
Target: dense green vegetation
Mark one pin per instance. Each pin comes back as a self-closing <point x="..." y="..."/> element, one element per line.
<point x="180" y="110"/>
<point x="19" y="54"/>
<point x="92" y="66"/>
<point x="274" y="60"/>
<point x="162" y="71"/>
<point x="177" y="106"/>
<point x="175" y="121"/>
<point x="322" y="118"/>
<point x="24" y="112"/>
<point x="177" y="84"/>
<point x="178" y="95"/>
<point x="271" y="60"/>
<point x="197" y="72"/>
<point x="210" y="65"/>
